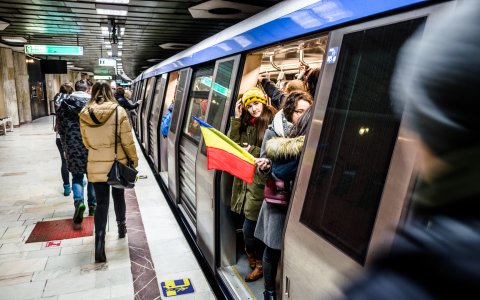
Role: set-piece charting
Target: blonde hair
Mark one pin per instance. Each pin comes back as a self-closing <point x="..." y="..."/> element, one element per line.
<point x="294" y="85"/>
<point x="101" y="92"/>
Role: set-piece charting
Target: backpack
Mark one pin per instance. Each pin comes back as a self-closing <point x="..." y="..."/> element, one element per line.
<point x="166" y="121"/>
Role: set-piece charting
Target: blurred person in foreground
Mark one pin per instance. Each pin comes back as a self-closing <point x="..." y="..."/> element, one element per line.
<point x="437" y="254"/>
<point x="98" y="120"/>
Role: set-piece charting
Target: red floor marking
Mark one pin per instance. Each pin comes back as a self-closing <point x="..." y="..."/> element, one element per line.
<point x="60" y="230"/>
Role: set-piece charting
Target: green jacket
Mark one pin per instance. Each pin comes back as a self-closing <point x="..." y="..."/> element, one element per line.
<point x="246" y="198"/>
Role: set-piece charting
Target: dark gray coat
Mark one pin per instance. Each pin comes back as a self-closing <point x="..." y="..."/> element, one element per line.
<point x="69" y="130"/>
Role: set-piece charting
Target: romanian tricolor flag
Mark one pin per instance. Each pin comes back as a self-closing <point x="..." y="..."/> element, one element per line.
<point x="225" y="155"/>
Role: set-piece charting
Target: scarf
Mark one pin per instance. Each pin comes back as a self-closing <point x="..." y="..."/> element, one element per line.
<point x="280" y="125"/>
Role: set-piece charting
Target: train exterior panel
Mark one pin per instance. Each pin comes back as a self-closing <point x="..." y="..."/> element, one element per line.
<point x="357" y="168"/>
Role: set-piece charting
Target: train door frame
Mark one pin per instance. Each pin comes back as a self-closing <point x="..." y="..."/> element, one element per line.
<point x="145" y="110"/>
<point x="305" y="253"/>
<point x="155" y="139"/>
<point x="139" y="110"/>
<point x="170" y="91"/>
<point x="190" y="138"/>
<point x="206" y="194"/>
<point x="175" y="130"/>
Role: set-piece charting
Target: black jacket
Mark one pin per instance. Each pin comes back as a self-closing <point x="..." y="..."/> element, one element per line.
<point x="126" y="104"/>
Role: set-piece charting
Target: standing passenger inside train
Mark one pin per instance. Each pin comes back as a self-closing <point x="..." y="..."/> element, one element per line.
<point x="65" y="90"/>
<point x="75" y="151"/>
<point x="310" y="80"/>
<point x="281" y="149"/>
<point x="247" y="129"/>
<point x="277" y="95"/>
<point x="98" y="122"/>
<point x="436" y="255"/>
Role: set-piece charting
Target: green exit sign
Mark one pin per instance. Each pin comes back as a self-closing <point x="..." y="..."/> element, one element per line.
<point x="53" y="50"/>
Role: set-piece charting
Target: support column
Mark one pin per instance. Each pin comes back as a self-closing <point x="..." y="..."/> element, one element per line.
<point x="7" y="79"/>
<point x="21" y="84"/>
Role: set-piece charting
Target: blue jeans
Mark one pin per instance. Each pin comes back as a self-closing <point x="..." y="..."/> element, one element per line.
<point x="77" y="189"/>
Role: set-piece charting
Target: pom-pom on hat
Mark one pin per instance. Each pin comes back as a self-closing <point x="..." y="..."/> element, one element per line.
<point x="252" y="95"/>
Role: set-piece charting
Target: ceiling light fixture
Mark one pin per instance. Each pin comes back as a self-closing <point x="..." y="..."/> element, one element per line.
<point x="174" y="46"/>
<point x="14" y="39"/>
<point x="114" y="1"/>
<point x="111" y="10"/>
<point x="3" y="25"/>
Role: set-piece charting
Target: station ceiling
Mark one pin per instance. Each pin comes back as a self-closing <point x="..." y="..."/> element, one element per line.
<point x="147" y="24"/>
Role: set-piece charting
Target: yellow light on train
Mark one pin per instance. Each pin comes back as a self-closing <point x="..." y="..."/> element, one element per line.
<point x="363" y="130"/>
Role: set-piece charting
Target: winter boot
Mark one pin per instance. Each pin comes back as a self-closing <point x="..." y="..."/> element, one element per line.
<point x="78" y="216"/>
<point x="122" y="229"/>
<point x="269" y="295"/>
<point x="251" y="259"/>
<point x="91" y="210"/>
<point x="100" y="247"/>
<point x="256" y="273"/>
<point x="66" y="190"/>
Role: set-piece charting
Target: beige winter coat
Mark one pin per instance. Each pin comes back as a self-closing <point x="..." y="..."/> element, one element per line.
<point x="100" y="139"/>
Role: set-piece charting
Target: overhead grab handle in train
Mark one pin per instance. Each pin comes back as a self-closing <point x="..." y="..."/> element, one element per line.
<point x="301" y="73"/>
<point x="301" y="58"/>
<point x="273" y="64"/>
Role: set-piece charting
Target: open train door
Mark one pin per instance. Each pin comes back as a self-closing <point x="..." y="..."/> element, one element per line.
<point x="219" y="99"/>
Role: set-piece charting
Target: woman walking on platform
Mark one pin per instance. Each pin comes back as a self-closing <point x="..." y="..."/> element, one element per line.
<point x="98" y="120"/>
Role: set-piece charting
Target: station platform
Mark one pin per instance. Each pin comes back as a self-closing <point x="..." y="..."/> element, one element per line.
<point x="31" y="191"/>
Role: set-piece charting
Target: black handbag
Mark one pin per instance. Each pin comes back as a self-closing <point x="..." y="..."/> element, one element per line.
<point x="120" y="175"/>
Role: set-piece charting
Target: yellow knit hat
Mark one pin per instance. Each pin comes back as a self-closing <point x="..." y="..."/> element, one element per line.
<point x="252" y="95"/>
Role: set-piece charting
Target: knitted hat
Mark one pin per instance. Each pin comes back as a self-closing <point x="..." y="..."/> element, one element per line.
<point x="252" y="95"/>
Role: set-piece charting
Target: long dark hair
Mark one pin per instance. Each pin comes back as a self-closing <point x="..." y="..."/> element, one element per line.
<point x="300" y="128"/>
<point x="291" y="103"/>
<point x="261" y="123"/>
<point x="311" y="80"/>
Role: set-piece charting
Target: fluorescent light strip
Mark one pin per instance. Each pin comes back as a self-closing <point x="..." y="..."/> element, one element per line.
<point x="111" y="12"/>
<point x="114" y="1"/>
<point x="14" y="39"/>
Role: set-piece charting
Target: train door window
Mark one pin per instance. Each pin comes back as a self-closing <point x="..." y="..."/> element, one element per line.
<point x="357" y="140"/>
<point x="197" y="105"/>
<point x="221" y="91"/>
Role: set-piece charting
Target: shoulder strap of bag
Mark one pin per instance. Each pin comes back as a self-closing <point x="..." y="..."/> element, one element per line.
<point x="93" y="117"/>
<point x="116" y="128"/>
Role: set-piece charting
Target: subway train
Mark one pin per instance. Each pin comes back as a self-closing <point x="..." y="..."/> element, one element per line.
<point x="356" y="171"/>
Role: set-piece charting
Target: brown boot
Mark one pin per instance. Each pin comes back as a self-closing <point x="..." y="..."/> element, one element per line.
<point x="251" y="259"/>
<point x="256" y="273"/>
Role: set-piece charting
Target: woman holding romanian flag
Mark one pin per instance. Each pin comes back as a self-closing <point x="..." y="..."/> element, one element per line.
<point x="247" y="128"/>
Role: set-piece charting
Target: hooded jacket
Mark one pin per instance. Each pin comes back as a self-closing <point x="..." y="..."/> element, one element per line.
<point x="100" y="138"/>
<point x="69" y="130"/>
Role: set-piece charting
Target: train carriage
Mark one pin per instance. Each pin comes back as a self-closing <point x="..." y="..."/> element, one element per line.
<point x="356" y="170"/>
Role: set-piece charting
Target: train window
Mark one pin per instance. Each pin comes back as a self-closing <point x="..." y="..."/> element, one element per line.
<point x="357" y="140"/>
<point x="198" y="103"/>
<point x="220" y="94"/>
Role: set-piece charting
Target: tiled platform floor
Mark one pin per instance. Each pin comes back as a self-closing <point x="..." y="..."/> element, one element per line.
<point x="31" y="191"/>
